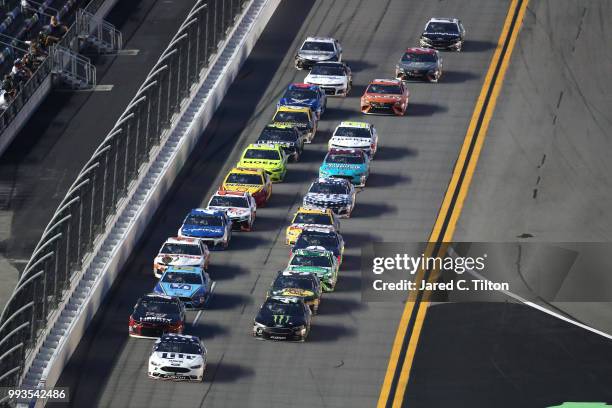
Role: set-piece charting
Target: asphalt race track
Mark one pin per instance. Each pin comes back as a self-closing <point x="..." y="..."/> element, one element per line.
<point x="344" y="360"/>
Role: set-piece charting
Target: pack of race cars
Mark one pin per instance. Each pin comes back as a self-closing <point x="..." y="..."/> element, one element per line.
<point x="317" y="246"/>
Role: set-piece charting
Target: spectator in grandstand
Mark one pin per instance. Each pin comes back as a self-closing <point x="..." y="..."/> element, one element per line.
<point x="30" y="62"/>
<point x="20" y="72"/>
<point x="36" y="51"/>
<point x="9" y="87"/>
<point x="56" y="30"/>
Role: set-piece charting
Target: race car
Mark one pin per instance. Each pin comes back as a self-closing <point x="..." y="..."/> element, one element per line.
<point x="239" y="206"/>
<point x="321" y="238"/>
<point x="156" y="314"/>
<point x="288" y="137"/>
<point x="350" y="164"/>
<point x="192" y="286"/>
<point x="355" y="135"/>
<point x="270" y="157"/>
<point x="335" y="194"/>
<point x="283" y="318"/>
<point x="178" y="251"/>
<point x="319" y="261"/>
<point x="299" y="116"/>
<point x="443" y="34"/>
<point x="310" y="96"/>
<point x="178" y="357"/>
<point x="334" y="78"/>
<point x="298" y="284"/>
<point x="317" y="49"/>
<point x="213" y="227"/>
<point x="310" y="217"/>
<point x="419" y="63"/>
<point x="253" y="181"/>
<point x="385" y="96"/>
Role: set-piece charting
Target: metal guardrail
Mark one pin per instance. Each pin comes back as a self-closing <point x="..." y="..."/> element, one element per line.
<point x="93" y="198"/>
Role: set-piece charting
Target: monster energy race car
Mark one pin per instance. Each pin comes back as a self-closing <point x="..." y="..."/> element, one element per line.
<point x="283" y="318"/>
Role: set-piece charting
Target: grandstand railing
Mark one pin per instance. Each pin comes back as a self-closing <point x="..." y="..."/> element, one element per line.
<point x="86" y="212"/>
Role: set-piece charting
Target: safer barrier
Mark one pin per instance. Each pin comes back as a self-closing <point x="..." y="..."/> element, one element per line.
<point x="89" y="210"/>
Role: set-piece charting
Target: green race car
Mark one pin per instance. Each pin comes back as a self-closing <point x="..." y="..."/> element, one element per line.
<point x="269" y="157"/>
<point x="318" y="261"/>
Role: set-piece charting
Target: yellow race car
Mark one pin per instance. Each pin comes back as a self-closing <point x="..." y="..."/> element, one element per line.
<point x="269" y="157"/>
<point x="254" y="181"/>
<point x="310" y="217"/>
<point x="300" y="117"/>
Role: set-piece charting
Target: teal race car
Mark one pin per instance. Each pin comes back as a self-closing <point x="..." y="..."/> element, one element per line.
<point x="318" y="261"/>
<point x="350" y="164"/>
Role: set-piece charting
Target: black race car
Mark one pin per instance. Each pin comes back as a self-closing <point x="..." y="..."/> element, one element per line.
<point x="283" y="318"/>
<point x="305" y="285"/>
<point x="288" y="137"/>
<point x="317" y="238"/>
<point x="155" y="315"/>
<point x="443" y="34"/>
<point x="419" y="63"/>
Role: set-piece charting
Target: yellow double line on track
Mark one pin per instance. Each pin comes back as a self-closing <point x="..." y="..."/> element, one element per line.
<point x="407" y="337"/>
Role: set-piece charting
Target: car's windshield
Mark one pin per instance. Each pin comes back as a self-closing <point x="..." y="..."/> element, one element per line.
<point x="278" y="135"/>
<point x="344" y="159"/>
<point x="150" y="306"/>
<point x="178" y="347"/>
<point x="262" y="154"/>
<point x="183" y="277"/>
<point x="384" y="89"/>
<point x="327" y="70"/>
<point x="318" y="46"/>
<point x="229" y="201"/>
<point x="441" y="27"/>
<point x="325" y="241"/>
<point x="284" y="282"/>
<point x="181" y="249"/>
<point x="353" y="132"/>
<point x="300" y="93"/>
<point x="292" y="117"/>
<point x="328" y="188"/>
<point x="312" y="218"/>
<point x="204" y="220"/>
<point x="419" y="57"/>
<point x="278" y="308"/>
<point x="237" y="178"/>
<point x="305" y="260"/>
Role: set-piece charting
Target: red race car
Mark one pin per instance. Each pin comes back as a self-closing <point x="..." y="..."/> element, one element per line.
<point x="385" y="96"/>
<point x="155" y="315"/>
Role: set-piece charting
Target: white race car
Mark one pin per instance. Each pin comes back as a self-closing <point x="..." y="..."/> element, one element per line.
<point x="355" y="135"/>
<point x="334" y="78"/>
<point x="178" y="251"/>
<point x="178" y="357"/>
<point x="240" y="207"/>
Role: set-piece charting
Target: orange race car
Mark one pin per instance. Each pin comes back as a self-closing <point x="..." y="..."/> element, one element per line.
<point x="385" y="96"/>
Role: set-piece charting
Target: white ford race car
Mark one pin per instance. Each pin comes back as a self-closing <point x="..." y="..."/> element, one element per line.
<point x="355" y="135"/>
<point x="240" y="207"/>
<point x="178" y="357"/>
<point x="181" y="252"/>
<point x="334" y="78"/>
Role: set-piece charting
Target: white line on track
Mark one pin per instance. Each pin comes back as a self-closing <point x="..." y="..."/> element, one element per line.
<point x="526" y="302"/>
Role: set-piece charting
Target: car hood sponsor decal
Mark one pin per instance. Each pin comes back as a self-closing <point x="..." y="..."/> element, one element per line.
<point x="203" y="232"/>
<point x="325" y="79"/>
<point x="178" y="260"/>
<point x="351" y="141"/>
<point x="180" y="289"/>
<point x="294" y="292"/>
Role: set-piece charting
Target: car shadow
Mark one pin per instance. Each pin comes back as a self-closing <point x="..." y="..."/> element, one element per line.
<point x="456" y="77"/>
<point x="357" y="239"/>
<point x="478" y="46"/>
<point x="424" y="109"/>
<point x="331" y="305"/>
<point x="223" y="271"/>
<point x="322" y="333"/>
<point x="347" y="283"/>
<point x="386" y="180"/>
<point x="394" y="153"/>
<point x="207" y="331"/>
<point x="358" y="66"/>
<point x="226" y="301"/>
<point x="226" y="372"/>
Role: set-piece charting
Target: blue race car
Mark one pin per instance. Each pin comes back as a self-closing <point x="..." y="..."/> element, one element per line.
<point x="350" y="164"/>
<point x="213" y="227"/>
<point x="192" y="285"/>
<point x="299" y="94"/>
